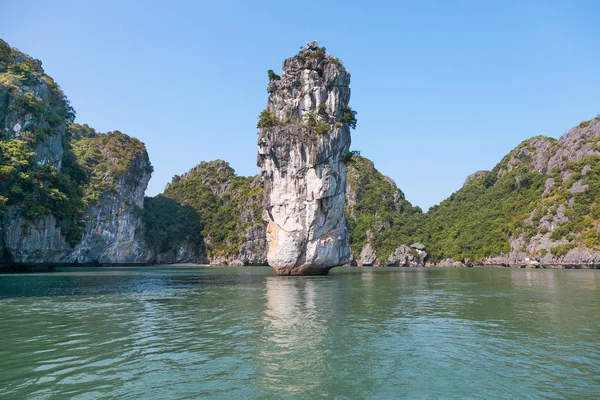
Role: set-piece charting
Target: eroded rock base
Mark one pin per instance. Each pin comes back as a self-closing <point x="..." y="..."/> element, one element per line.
<point x="302" y="270"/>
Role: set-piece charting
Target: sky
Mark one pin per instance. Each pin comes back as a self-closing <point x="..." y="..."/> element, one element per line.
<point x="442" y="88"/>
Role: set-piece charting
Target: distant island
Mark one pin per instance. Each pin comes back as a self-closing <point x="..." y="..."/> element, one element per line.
<point x="72" y="196"/>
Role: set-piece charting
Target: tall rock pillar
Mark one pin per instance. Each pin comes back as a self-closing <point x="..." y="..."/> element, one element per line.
<point x="304" y="139"/>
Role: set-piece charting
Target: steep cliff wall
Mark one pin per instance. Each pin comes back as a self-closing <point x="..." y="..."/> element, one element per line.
<point x="118" y="171"/>
<point x="105" y="226"/>
<point x="304" y="138"/>
<point x="67" y="193"/>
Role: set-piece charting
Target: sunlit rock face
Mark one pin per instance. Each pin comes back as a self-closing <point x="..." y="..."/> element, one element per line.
<point x="304" y="138"/>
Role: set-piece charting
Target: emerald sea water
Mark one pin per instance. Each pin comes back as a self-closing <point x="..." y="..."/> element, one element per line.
<point x="242" y="333"/>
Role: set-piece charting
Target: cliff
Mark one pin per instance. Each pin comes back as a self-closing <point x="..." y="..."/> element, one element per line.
<point x="537" y="207"/>
<point x="228" y="227"/>
<point x="67" y="193"/>
<point x="382" y="222"/>
<point x="304" y="138"/>
<point x="71" y="195"/>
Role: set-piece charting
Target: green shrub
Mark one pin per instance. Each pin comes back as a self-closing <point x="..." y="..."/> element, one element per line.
<point x="322" y="128"/>
<point x="562" y="250"/>
<point x="311" y="119"/>
<point x="273" y="76"/>
<point x="348" y="117"/>
<point x="319" y="52"/>
<point x="28" y="103"/>
<point x="105" y="158"/>
<point x="336" y="61"/>
<point x="267" y="119"/>
<point x="350" y="156"/>
<point x="322" y="110"/>
<point x="378" y="202"/>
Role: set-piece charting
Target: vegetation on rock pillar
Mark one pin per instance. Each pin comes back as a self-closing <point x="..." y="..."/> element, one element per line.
<point x="273" y="76"/>
<point x="267" y="119"/>
<point x="349" y="117"/>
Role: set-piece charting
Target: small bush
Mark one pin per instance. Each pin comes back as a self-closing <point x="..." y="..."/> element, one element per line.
<point x="349" y="117"/>
<point x="267" y="119"/>
<point x="273" y="76"/>
<point x="311" y="120"/>
<point x="348" y="157"/>
<point x="336" y="61"/>
<point x="322" y="129"/>
<point x="322" y="110"/>
<point x="562" y="250"/>
<point x="28" y="103"/>
<point x="318" y="53"/>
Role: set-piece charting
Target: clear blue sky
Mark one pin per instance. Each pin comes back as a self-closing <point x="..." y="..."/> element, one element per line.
<point x="442" y="88"/>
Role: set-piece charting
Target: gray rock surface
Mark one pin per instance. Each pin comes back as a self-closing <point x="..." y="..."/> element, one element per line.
<point x="184" y="253"/>
<point x="474" y="177"/>
<point x="111" y="235"/>
<point x="448" y="262"/>
<point x="18" y="122"/>
<point x="367" y="256"/>
<point x="26" y="110"/>
<point x="548" y="155"/>
<point x="408" y="256"/>
<point x="303" y="173"/>
<point x="113" y="228"/>
<point x="28" y="242"/>
<point x="538" y="149"/>
<point x="418" y="246"/>
<point x="576" y="144"/>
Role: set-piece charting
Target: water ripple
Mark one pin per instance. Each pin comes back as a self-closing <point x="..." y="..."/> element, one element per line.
<point x="244" y="333"/>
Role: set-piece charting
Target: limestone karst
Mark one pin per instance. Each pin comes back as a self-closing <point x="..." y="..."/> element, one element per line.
<point x="70" y="195"/>
<point x="304" y="138"/>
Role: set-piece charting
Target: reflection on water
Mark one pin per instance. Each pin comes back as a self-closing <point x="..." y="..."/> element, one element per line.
<point x="245" y="333"/>
<point x="293" y="333"/>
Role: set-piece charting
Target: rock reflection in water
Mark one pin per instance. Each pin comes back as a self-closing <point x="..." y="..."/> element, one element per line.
<point x="301" y="345"/>
<point x="293" y="326"/>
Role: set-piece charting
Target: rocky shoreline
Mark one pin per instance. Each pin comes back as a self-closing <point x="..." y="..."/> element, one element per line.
<point x="48" y="267"/>
<point x="516" y="266"/>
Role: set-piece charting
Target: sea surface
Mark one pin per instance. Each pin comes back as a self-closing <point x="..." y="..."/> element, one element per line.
<point x="243" y="333"/>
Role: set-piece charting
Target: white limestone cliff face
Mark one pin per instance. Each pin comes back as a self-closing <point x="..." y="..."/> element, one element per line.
<point x="303" y="140"/>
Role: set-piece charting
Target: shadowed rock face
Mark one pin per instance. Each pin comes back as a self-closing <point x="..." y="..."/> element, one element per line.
<point x="301" y="147"/>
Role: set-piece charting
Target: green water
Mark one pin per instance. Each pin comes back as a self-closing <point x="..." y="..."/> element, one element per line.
<point x="239" y="333"/>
